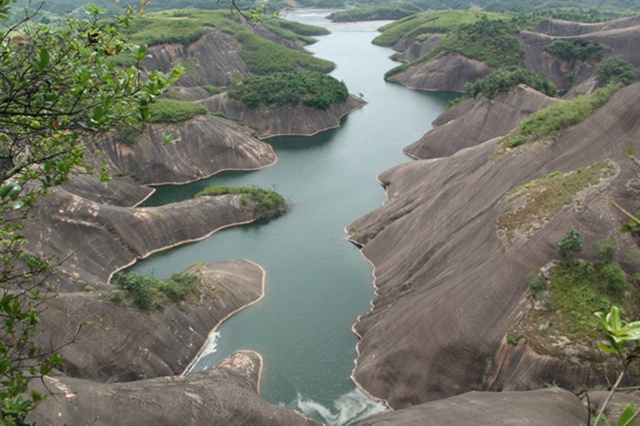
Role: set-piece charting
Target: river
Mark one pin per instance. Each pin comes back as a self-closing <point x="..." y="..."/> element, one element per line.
<point x="317" y="283"/>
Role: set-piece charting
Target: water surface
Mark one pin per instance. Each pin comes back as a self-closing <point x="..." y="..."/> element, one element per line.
<point x="317" y="283"/>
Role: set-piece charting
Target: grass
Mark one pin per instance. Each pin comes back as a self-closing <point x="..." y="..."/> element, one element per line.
<point x="557" y="117"/>
<point x="268" y="204"/>
<point x="262" y="56"/>
<point x="430" y="22"/>
<point x="545" y="197"/>
<point x="142" y="292"/>
<point x="174" y="111"/>
<point x="575" y="292"/>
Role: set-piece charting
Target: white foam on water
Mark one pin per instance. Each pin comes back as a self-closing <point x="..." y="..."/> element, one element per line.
<point x="347" y="410"/>
<point x="210" y="347"/>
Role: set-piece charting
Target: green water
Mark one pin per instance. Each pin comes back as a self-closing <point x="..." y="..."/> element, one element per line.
<point x="317" y="282"/>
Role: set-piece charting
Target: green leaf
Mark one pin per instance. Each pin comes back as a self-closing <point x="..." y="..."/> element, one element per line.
<point x="626" y="415"/>
<point x="44" y="59"/>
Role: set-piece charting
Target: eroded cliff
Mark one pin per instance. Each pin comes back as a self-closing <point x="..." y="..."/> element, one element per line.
<point x="449" y="285"/>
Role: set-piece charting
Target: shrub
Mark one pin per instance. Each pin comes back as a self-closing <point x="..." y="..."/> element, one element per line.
<point x="575" y="50"/>
<point x="537" y="283"/>
<point x="268" y="204"/>
<point x="278" y="89"/>
<point x="571" y="242"/>
<point x="616" y="70"/>
<point x="613" y="278"/>
<point x="174" y="111"/>
<point x="607" y="249"/>
<point x="146" y="292"/>
<point x="504" y="79"/>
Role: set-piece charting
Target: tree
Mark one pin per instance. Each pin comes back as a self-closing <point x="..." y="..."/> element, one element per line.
<point x="616" y="70"/>
<point x="571" y="242"/>
<point x="58" y="88"/>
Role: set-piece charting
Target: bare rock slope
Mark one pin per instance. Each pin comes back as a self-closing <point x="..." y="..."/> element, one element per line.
<point x="288" y="120"/>
<point x="226" y="395"/>
<point x="476" y="121"/>
<point x="449" y="283"/>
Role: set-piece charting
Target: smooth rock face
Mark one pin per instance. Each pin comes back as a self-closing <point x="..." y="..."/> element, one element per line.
<point x="121" y="344"/>
<point x="556" y="407"/>
<point x="288" y="120"/>
<point x="448" y="287"/>
<point x="93" y="240"/>
<point x="214" y="59"/>
<point x="476" y="121"/>
<point x="449" y="72"/>
<point x="224" y="395"/>
<point x="207" y="145"/>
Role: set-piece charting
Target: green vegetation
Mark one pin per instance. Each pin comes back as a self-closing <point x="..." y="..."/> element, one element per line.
<point x="616" y="70"/>
<point x="263" y="56"/>
<point x="545" y="197"/>
<point x="490" y="41"/>
<point x="578" y="49"/>
<point x="58" y="89"/>
<point x="570" y="243"/>
<point x="294" y="31"/>
<point x="432" y="22"/>
<point x="135" y="289"/>
<point x="211" y="89"/>
<point x="174" y="111"/>
<point x="377" y="12"/>
<point x="558" y="116"/>
<point x="274" y="90"/>
<point x="268" y="204"/>
<point x="504" y="79"/>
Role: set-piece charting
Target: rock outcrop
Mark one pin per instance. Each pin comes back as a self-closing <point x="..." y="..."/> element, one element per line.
<point x="449" y="72"/>
<point x="225" y="395"/>
<point x="288" y="120"/>
<point x="93" y="240"/>
<point x="207" y="145"/>
<point x="452" y="71"/>
<point x="103" y="341"/>
<point x="448" y="286"/>
<point x="555" y="406"/>
<point x="476" y="121"/>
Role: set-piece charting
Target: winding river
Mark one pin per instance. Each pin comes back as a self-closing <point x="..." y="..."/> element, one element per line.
<point x="317" y="283"/>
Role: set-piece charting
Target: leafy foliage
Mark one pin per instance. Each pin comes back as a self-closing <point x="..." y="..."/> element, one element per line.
<point x="578" y="49"/>
<point x="432" y="22"/>
<point x="175" y="111"/>
<point x="57" y="89"/>
<point x="274" y="90"/>
<point x="504" y="79"/>
<point x="374" y="13"/>
<point x="263" y="56"/>
<point x="268" y="203"/>
<point x="570" y="243"/>
<point x="616" y="70"/>
<point x="559" y="116"/>
<point x="486" y="40"/>
<point x="146" y="292"/>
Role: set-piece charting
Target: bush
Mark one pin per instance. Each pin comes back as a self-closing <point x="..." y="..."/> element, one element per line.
<point x="616" y="70"/>
<point x="537" y="283"/>
<point x="607" y="249"/>
<point x="490" y="41"/>
<point x="174" y="111"/>
<point x="278" y="89"/>
<point x="613" y="279"/>
<point x="571" y="242"/>
<point x="504" y="79"/>
<point x="147" y="292"/>
<point x="577" y="49"/>
<point x="268" y="204"/>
